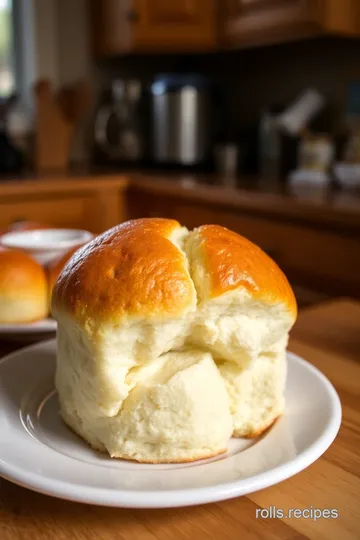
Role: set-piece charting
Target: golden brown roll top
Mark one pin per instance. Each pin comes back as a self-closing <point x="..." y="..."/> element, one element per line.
<point x="222" y="261"/>
<point x="23" y="288"/>
<point x="134" y="270"/>
<point x="154" y="268"/>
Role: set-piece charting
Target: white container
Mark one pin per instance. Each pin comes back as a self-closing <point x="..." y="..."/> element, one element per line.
<point x="298" y="115"/>
<point x="45" y="245"/>
<point x="348" y="175"/>
<point x="226" y="163"/>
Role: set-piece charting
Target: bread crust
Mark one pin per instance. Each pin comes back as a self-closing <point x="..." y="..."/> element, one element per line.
<point x="259" y="432"/>
<point x="54" y="269"/>
<point x="234" y="262"/>
<point x="133" y="270"/>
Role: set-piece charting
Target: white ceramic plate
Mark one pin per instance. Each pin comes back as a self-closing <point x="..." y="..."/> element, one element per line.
<point x="29" y="331"/>
<point x="37" y="450"/>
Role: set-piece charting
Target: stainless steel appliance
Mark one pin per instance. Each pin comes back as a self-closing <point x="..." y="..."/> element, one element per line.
<point x="181" y="119"/>
<point x="118" y="129"/>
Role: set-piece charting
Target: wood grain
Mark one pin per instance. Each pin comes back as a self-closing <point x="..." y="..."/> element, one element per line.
<point x="111" y="27"/>
<point x="181" y="25"/>
<point x="327" y="335"/>
<point x="91" y="203"/>
<point x="332" y="209"/>
<point x="153" y="26"/>
<point x="342" y="17"/>
<point x="338" y="212"/>
<point x="247" y="23"/>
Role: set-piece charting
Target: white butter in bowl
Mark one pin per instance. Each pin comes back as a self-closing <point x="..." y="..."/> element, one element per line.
<point x="45" y="245"/>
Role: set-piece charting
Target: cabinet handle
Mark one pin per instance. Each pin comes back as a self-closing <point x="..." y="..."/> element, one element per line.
<point x="133" y="16"/>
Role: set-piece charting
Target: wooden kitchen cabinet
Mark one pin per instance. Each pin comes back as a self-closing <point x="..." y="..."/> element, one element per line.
<point x="94" y="203"/>
<point x="121" y="26"/>
<point x="125" y="26"/>
<point x="255" y="22"/>
<point x="61" y="211"/>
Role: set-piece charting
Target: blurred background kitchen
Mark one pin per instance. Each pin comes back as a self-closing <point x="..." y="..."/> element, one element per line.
<point x="237" y="112"/>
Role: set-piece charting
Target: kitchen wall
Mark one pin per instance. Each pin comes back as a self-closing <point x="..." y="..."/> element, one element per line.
<point x="259" y="77"/>
<point x="58" y="32"/>
<point x="253" y="78"/>
<point x="46" y="41"/>
<point x="62" y="44"/>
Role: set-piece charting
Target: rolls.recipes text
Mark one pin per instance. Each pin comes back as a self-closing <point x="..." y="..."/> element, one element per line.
<point x="297" y="513"/>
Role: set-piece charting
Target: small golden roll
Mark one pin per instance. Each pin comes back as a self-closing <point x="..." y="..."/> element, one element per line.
<point x="23" y="288"/>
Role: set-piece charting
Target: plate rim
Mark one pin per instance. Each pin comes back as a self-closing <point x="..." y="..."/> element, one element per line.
<point x="36" y="327"/>
<point x="100" y="496"/>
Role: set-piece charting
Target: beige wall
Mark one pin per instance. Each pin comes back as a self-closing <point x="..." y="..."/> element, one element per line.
<point x="73" y="40"/>
<point x="62" y="52"/>
<point x="46" y="40"/>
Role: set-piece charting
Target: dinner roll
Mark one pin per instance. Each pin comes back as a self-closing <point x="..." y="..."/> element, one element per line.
<point x="23" y="288"/>
<point x="161" y="330"/>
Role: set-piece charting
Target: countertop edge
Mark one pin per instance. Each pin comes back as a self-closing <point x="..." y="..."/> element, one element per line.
<point x="316" y="212"/>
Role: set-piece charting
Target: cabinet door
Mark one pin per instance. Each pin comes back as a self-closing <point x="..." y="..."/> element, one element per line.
<point x="179" y="24"/>
<point x="56" y="211"/>
<point x="263" y="21"/>
<point x="112" y="22"/>
<point x="94" y="210"/>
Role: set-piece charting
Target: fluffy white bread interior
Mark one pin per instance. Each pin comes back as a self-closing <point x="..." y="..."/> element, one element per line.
<point x="123" y="393"/>
<point x="169" y="414"/>
<point x="98" y="364"/>
<point x="256" y="393"/>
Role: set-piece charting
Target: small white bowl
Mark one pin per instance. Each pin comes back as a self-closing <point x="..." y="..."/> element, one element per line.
<point x="45" y="245"/>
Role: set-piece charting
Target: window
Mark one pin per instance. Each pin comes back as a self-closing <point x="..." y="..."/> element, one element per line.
<point x="7" y="71"/>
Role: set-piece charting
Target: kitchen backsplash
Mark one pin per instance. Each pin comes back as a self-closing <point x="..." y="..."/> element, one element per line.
<point x="256" y="78"/>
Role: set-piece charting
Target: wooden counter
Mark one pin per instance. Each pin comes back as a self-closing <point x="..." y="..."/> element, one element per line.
<point x="329" y="337"/>
<point x="90" y="202"/>
<point x="335" y="209"/>
<point x="313" y="236"/>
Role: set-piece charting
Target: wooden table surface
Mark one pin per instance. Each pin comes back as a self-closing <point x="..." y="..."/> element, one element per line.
<point x="327" y="335"/>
